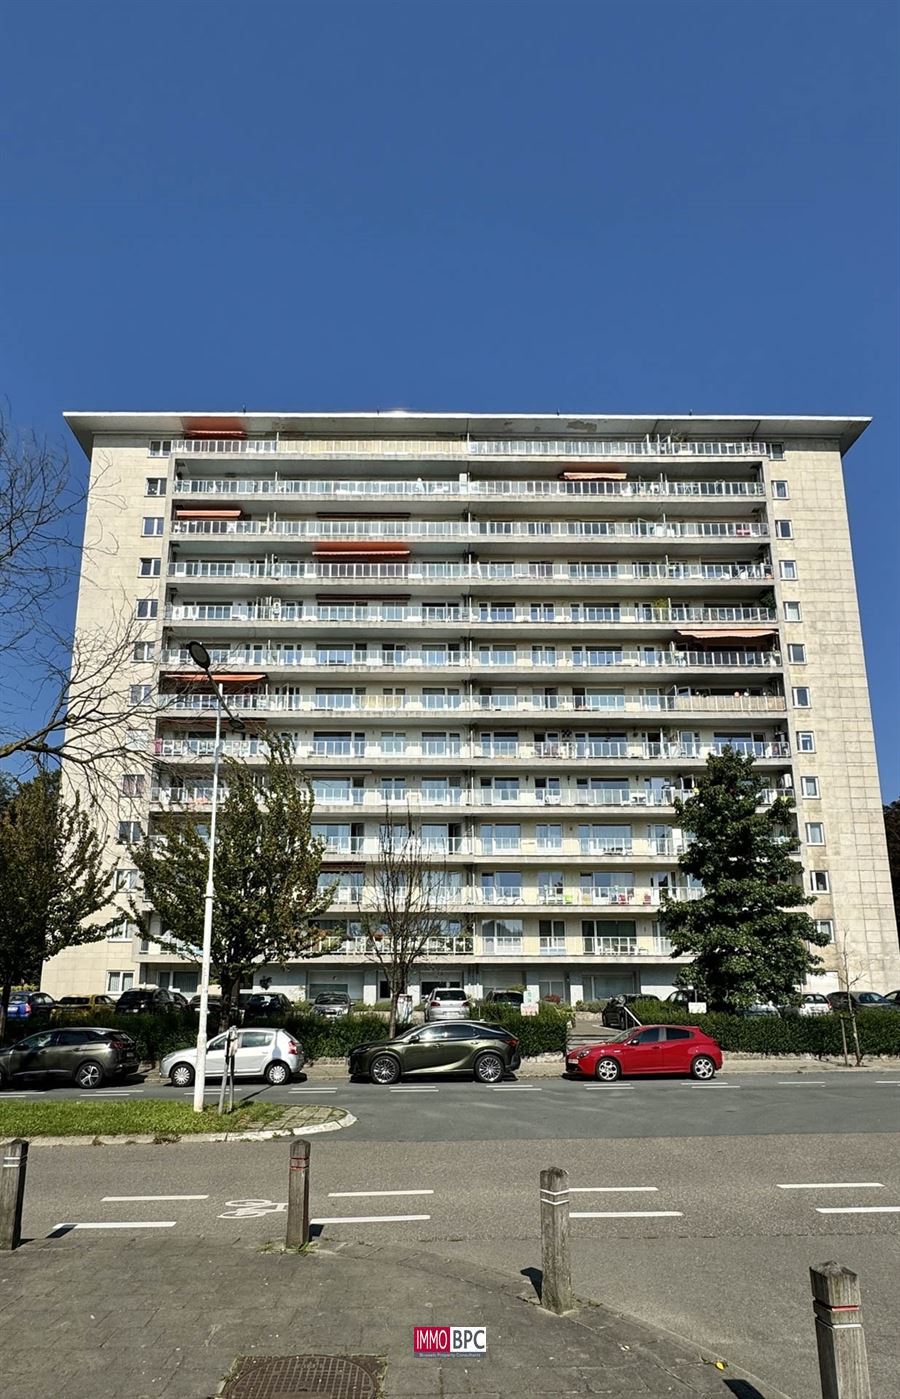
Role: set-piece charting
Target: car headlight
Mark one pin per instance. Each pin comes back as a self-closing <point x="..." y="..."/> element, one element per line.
<point x="582" y="1054"/>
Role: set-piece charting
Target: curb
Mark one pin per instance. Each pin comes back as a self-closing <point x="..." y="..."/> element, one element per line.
<point x="160" y="1139"/>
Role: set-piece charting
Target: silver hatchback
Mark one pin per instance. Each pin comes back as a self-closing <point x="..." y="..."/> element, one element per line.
<point x="447" y="1003"/>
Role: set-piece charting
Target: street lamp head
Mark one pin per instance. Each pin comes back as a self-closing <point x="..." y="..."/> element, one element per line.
<point x="198" y="654"/>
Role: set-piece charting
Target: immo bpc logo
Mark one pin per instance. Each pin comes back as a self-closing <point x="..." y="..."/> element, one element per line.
<point x="449" y="1340"/>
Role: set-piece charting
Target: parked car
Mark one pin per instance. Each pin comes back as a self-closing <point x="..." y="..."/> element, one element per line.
<point x="516" y="999"/>
<point x="614" y="1013"/>
<point x="812" y="1003"/>
<point x="894" y="997"/>
<point x="759" y="1008"/>
<point x="86" y="1055"/>
<point x="84" y="1003"/>
<point x="447" y="1003"/>
<point x="23" y="1005"/>
<point x="332" y="1004"/>
<point x="861" y="1000"/>
<point x="451" y="1047"/>
<point x="212" y="1003"/>
<point x="652" y="1049"/>
<point x="146" y="1000"/>
<point x="266" y="1003"/>
<point x="181" y="1001"/>
<point x="262" y="1052"/>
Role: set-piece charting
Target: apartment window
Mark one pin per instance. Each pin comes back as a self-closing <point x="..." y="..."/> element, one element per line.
<point x="156" y="485"/>
<point x="152" y="525"/>
<point x="503" y="935"/>
<point x="133" y="784"/>
<point x="149" y="568"/>
<point x="123" y="931"/>
<point x="391" y="743"/>
<point x="796" y="653"/>
<point x="806" y="741"/>
<point x="792" y="612"/>
<point x="825" y="927"/>
<point x="549" y="837"/>
<point x="117" y="982"/>
<point x="393" y="788"/>
<point x="815" y="833"/>
<point x="787" y="569"/>
<point x="784" y="529"/>
<point x="146" y="608"/>
<point x="127" y="881"/>
<point x="136" y="740"/>
<point x="819" y="882"/>
<point x="780" y="490"/>
<point x="143" y="651"/>
<point x="138" y="694"/>
<point x="809" y="786"/>
<point x="552" y="933"/>
<point x="160" y="446"/>
<point x="129" y="832"/>
<point x="800" y="696"/>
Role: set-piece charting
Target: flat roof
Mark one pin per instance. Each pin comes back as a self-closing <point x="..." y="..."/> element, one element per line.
<point x="397" y="422"/>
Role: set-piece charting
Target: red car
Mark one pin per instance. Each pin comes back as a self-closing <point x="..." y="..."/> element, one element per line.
<point x="649" y="1049"/>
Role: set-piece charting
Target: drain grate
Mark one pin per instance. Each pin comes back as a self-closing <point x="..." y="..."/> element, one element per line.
<point x="296" y="1376"/>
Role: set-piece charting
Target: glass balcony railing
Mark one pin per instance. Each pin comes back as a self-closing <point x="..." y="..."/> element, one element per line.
<point x="496" y="658"/>
<point x="475" y="530"/>
<point x="462" y="489"/>
<point x="443" y="572"/>
<point x="422" y="448"/>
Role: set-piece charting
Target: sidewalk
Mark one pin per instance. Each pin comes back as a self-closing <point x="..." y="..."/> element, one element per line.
<point x="139" y="1317"/>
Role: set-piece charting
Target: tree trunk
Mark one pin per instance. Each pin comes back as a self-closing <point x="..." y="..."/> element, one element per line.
<point x="856" y="1049"/>
<point x="231" y="987"/>
<point x="4" y="1008"/>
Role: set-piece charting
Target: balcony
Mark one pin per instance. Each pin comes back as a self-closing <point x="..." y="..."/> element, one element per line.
<point x="462" y="489"/>
<point x="471" y="530"/>
<point x="424" y="449"/>
<point x="412" y="659"/>
<point x="626" y="947"/>
<point x="450" y="572"/>
<point x="454" y="615"/>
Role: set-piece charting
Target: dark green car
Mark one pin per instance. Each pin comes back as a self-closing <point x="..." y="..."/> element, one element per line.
<point x="444" y="1047"/>
<point x="86" y="1055"/>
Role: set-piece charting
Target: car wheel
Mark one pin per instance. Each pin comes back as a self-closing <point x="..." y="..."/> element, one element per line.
<point x="384" y="1069"/>
<point x="89" y="1074"/>
<point x="703" y="1067"/>
<point x="277" y="1073"/>
<point x="489" y="1068"/>
<point x="608" y="1070"/>
<point x="182" y="1075"/>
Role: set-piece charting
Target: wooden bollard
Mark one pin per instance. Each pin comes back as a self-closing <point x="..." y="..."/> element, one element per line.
<point x="840" y="1339"/>
<point x="556" y="1287"/>
<point x="298" y="1195"/>
<point x="12" y="1192"/>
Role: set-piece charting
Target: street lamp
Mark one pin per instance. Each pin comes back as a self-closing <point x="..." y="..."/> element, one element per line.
<point x="201" y="658"/>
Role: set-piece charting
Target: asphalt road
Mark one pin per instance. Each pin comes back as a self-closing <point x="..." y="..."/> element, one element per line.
<point x="701" y="1206"/>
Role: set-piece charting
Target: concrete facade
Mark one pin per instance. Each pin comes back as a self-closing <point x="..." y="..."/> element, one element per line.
<point x="529" y="631"/>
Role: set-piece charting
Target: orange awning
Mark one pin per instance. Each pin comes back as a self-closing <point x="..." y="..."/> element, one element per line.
<point x="593" y="476"/>
<point x="357" y="552"/>
<point x="727" y="633"/>
<point x="213" y="427"/>
<point x="227" y="678"/>
<point x="208" y="514"/>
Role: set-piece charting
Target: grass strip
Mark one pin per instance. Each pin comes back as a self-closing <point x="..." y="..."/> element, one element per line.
<point x="76" y="1119"/>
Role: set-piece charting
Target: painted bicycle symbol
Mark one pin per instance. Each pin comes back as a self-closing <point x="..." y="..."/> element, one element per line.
<point x="251" y="1209"/>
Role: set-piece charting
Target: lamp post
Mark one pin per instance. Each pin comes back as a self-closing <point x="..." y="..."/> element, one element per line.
<point x="200" y="656"/>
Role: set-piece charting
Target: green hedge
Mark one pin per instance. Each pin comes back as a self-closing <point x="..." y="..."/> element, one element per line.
<point x="544" y="1033"/>
<point x="879" y="1030"/>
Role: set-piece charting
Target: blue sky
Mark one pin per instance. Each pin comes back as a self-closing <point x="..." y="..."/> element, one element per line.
<point x="491" y="205"/>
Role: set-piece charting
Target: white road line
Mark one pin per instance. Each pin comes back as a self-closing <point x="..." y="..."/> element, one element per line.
<point x="857" y="1209"/>
<point x="313" y="1090"/>
<point x="415" y="1090"/>
<point x="609" y="1087"/>
<point x="626" y="1214"/>
<point x="612" y="1189"/>
<point x="133" y="1224"/>
<point x="836" y="1185"/>
<point x="806" y="1083"/>
<point x="370" y="1194"/>
<point x="893" y="1082"/>
<point x="371" y="1219"/>
<point x="123" y="1199"/>
<point x="515" y="1088"/>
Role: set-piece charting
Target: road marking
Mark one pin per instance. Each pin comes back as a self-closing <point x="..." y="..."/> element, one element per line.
<point x="365" y="1194"/>
<point x="122" y="1199"/>
<point x="312" y="1090"/>
<point x="626" y="1214"/>
<point x="134" y="1224"/>
<point x="807" y="1083"/>
<point x="609" y="1087"/>
<point x="893" y="1082"/>
<point x="612" y="1189"/>
<point x="857" y="1209"/>
<point x="837" y="1185"/>
<point x="515" y="1088"/>
<point x="371" y="1219"/>
<point x="415" y="1090"/>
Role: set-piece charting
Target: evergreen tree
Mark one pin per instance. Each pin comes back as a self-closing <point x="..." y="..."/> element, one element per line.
<point x="748" y="933"/>
<point x="268" y="863"/>
<point x="52" y="879"/>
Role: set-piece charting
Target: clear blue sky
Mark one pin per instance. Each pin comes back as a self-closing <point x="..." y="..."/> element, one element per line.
<point x="479" y="204"/>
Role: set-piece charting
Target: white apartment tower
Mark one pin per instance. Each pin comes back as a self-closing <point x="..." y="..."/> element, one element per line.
<point x="530" y="631"/>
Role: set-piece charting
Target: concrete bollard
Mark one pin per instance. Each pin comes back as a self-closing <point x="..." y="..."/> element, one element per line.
<point x="12" y="1192"/>
<point x="840" y="1339"/>
<point x="556" y="1288"/>
<point x="298" y="1195"/>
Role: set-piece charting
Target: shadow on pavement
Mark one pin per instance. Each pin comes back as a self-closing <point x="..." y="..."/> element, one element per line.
<point x="536" y="1277"/>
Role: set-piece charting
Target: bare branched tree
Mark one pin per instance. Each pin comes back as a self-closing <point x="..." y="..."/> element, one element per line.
<point x="406" y="914"/>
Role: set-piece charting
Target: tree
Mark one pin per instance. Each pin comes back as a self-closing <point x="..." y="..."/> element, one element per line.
<point x="747" y="933"/>
<point x="406" y="911"/>
<point x="267" y="868"/>
<point x="52" y="880"/>
<point x="892" y="832"/>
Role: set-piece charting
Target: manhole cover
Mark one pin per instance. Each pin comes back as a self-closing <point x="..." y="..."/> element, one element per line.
<point x="294" y="1376"/>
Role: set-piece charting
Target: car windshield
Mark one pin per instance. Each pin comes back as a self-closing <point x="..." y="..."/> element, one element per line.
<point x="623" y="1038"/>
<point x="129" y="997"/>
<point x="449" y="995"/>
<point x="332" y="1000"/>
<point x="19" y="996"/>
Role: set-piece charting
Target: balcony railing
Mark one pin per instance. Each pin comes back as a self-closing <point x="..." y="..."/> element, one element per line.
<point x="463" y="489"/>
<point x="454" y="615"/>
<point x="433" y="658"/>
<point x="443" y="572"/>
<point x="425" y="448"/>
<point x="626" y="947"/>
<point x="473" y="529"/>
